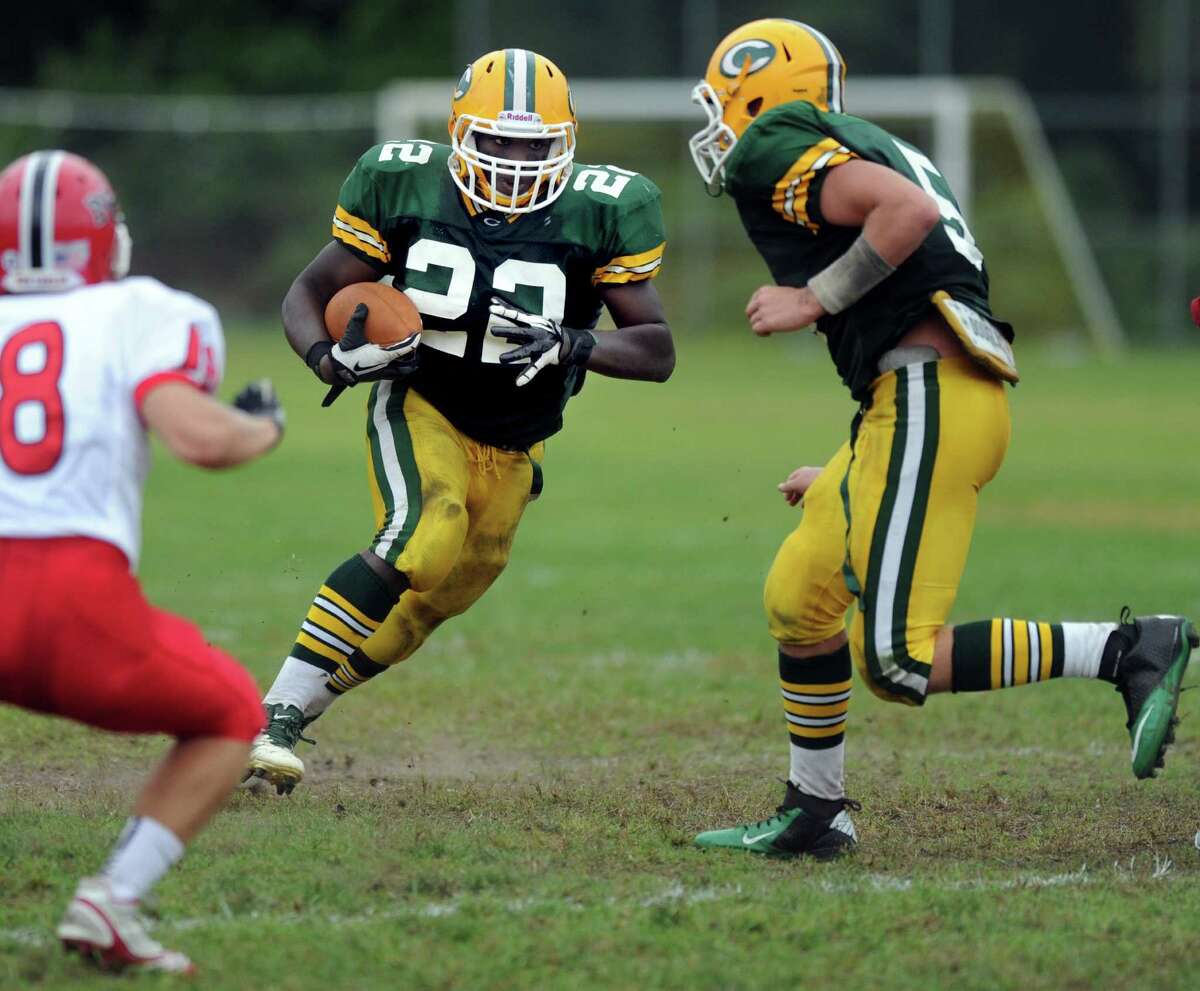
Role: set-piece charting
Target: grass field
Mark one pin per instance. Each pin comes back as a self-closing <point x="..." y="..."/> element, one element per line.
<point x="513" y="807"/>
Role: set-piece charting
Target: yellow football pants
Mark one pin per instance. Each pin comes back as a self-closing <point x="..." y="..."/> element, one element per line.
<point x="446" y="512"/>
<point x="888" y="523"/>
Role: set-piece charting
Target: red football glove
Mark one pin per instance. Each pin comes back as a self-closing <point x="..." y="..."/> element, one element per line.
<point x="1196" y="311"/>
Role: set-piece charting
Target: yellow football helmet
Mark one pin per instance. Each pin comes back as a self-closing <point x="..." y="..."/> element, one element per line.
<point x="756" y="67"/>
<point x="512" y="93"/>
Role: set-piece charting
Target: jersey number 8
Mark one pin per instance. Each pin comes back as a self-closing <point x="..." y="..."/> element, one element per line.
<point x="32" y="421"/>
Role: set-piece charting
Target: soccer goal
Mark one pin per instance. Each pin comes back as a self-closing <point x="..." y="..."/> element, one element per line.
<point x="943" y="109"/>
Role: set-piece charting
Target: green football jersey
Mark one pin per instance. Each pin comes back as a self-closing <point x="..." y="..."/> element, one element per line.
<point x="400" y="212"/>
<point x="774" y="174"/>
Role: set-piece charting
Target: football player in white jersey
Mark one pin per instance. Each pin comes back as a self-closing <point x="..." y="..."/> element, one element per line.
<point x="89" y="362"/>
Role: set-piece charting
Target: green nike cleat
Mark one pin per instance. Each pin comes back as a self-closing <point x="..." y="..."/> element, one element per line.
<point x="271" y="756"/>
<point x="791" y="832"/>
<point x="1148" y="676"/>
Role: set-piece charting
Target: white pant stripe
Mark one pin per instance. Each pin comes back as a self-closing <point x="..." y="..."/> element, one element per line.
<point x="893" y="547"/>
<point x="391" y="470"/>
<point x="1006" y="677"/>
<point x="1035" y="653"/>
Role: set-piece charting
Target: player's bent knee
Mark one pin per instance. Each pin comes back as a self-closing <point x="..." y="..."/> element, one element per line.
<point x="797" y="611"/>
<point x="885" y="688"/>
<point x="792" y="622"/>
<point x="436" y="545"/>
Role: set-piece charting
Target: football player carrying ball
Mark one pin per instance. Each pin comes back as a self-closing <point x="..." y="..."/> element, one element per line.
<point x="509" y="249"/>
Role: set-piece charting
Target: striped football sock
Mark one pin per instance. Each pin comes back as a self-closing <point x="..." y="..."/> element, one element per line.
<point x="349" y="607"/>
<point x="999" y="653"/>
<point x="816" y="697"/>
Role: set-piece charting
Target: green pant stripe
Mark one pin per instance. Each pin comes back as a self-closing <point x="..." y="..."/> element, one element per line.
<point x="882" y="520"/>
<point x="395" y="469"/>
<point x="853" y="585"/>
<point x="897" y="535"/>
<point x="916" y="523"/>
<point x="376" y="464"/>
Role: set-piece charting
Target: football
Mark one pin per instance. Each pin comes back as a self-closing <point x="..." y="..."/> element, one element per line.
<point x="391" y="315"/>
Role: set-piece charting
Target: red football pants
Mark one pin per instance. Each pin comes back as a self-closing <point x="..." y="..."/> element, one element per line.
<point x="78" y="639"/>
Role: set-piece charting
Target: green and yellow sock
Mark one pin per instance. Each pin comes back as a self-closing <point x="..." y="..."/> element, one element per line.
<point x="1002" y="652"/>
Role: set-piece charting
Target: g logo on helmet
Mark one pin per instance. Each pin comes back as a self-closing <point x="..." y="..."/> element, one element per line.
<point x="756" y="50"/>
<point x="464" y="84"/>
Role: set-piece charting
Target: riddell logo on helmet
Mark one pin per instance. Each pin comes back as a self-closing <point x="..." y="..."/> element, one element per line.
<point x="519" y="117"/>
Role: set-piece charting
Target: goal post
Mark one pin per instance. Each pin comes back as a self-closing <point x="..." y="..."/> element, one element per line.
<point x="946" y="105"/>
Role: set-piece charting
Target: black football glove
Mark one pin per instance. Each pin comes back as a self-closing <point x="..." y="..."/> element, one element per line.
<point x="541" y="341"/>
<point x="259" y="398"/>
<point x="355" y="359"/>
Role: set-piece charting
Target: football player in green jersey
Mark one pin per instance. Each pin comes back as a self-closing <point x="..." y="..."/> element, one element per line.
<point x="865" y="239"/>
<point x="509" y="249"/>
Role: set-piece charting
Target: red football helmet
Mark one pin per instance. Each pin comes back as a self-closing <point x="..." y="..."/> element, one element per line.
<point x="60" y="226"/>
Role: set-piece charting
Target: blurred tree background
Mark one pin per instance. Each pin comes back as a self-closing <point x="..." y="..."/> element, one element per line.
<point x="234" y="211"/>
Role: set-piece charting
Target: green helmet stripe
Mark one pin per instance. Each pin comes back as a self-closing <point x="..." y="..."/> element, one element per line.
<point x="520" y="67"/>
<point x="510" y="58"/>
<point x="530" y="81"/>
<point x="833" y="83"/>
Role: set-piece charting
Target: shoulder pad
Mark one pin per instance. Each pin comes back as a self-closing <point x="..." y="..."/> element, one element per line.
<point x="148" y="291"/>
<point x="612" y="186"/>
<point x="403" y="156"/>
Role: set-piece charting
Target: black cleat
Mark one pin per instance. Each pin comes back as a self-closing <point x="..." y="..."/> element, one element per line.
<point x="1148" y="675"/>
<point x="793" y="831"/>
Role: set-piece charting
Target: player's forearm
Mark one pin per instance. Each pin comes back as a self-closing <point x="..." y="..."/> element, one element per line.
<point x="224" y="439"/>
<point x="202" y="431"/>
<point x="303" y="313"/>
<point x="645" y="352"/>
<point x="896" y="228"/>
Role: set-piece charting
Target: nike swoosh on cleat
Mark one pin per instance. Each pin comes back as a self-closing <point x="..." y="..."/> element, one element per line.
<point x="1137" y="736"/>
<point x="751" y="840"/>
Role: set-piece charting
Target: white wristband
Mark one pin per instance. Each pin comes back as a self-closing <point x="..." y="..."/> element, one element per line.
<point x="845" y="281"/>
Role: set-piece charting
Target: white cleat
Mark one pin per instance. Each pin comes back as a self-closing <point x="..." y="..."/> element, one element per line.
<point x="112" y="933"/>
<point x="272" y="755"/>
<point x="275" y="764"/>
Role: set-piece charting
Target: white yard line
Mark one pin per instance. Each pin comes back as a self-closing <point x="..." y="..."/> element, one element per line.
<point x="673" y="894"/>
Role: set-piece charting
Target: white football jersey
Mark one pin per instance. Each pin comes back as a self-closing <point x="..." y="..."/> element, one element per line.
<point x="74" y="369"/>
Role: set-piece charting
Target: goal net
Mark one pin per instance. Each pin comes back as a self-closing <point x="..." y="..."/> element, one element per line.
<point x="983" y="134"/>
<point x="231" y="196"/>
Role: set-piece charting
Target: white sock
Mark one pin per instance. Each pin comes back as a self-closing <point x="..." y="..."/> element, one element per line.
<point x="1083" y="647"/>
<point x="819" y="773"/>
<point x="145" y="851"/>
<point x="302" y="685"/>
